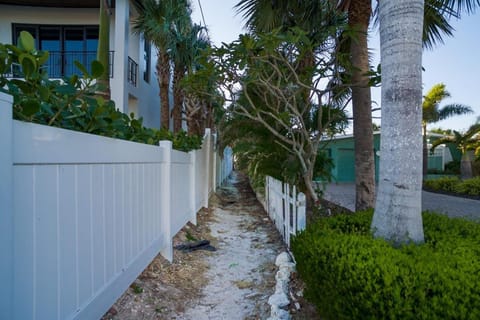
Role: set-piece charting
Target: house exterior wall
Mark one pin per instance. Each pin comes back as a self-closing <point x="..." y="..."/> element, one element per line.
<point x="123" y="42"/>
<point x="341" y="150"/>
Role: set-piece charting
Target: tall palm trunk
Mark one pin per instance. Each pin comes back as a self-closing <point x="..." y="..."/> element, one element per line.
<point x="163" y="71"/>
<point x="466" y="171"/>
<point x="359" y="18"/>
<point x="425" y="150"/>
<point x="397" y="214"/>
<point x="306" y="65"/>
<point x="178" y="95"/>
<point x="103" y="49"/>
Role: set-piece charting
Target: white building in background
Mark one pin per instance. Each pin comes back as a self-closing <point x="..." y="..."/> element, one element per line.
<point x="68" y="29"/>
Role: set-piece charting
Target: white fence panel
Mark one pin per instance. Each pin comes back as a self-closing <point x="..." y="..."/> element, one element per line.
<point x="224" y="165"/>
<point x="6" y="208"/>
<point x="180" y="190"/>
<point x="285" y="207"/>
<point x="86" y="219"/>
<point x="81" y="215"/>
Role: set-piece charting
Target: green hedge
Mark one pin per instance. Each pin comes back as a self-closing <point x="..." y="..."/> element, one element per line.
<point x="454" y="185"/>
<point x="350" y="275"/>
<point x="72" y="103"/>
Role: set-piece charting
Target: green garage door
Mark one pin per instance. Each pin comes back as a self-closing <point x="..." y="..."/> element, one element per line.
<point x="346" y="165"/>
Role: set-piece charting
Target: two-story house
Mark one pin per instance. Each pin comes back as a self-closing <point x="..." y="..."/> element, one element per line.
<point x="68" y="29"/>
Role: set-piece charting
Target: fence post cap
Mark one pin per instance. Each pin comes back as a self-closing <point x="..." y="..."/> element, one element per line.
<point x="166" y="143"/>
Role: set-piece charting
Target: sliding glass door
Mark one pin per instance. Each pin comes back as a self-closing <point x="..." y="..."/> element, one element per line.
<point x="65" y="44"/>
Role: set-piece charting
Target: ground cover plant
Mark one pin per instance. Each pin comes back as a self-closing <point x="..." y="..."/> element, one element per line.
<point x="72" y="103"/>
<point x="351" y="275"/>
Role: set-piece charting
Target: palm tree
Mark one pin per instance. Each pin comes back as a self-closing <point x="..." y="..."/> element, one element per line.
<point x="431" y="113"/>
<point x="189" y="40"/>
<point x="436" y="24"/>
<point x="103" y="50"/>
<point x="198" y="90"/>
<point x="310" y="16"/>
<point x="397" y="215"/>
<point x="470" y="140"/>
<point x="155" y="21"/>
<point x="359" y="13"/>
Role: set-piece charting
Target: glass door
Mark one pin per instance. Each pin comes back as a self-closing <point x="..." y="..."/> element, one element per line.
<point x="74" y="49"/>
<point x="50" y="40"/>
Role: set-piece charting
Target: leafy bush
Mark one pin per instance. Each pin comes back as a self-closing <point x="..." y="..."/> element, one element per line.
<point x="442" y="184"/>
<point x="469" y="187"/>
<point x="351" y="275"/>
<point x="452" y="167"/>
<point x="72" y="103"/>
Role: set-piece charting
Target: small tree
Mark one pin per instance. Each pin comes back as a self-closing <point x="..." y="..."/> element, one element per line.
<point x="263" y="70"/>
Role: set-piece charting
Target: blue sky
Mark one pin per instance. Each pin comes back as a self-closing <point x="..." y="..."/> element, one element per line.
<point x="453" y="63"/>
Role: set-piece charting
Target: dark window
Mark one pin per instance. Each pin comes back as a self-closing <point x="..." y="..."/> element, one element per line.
<point x="66" y="44"/>
<point x="146" y="56"/>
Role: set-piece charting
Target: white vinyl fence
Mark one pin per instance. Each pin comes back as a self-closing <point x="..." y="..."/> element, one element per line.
<point x="285" y="207"/>
<point x="81" y="215"/>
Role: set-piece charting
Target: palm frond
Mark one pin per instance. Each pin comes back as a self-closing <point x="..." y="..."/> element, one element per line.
<point x="436" y="23"/>
<point x="454" y="109"/>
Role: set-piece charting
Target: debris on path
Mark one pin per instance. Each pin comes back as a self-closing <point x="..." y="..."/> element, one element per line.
<point x="196" y="245"/>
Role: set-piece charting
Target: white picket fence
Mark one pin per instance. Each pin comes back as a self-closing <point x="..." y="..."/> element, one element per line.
<point x="285" y="207"/>
<point x="82" y="215"/>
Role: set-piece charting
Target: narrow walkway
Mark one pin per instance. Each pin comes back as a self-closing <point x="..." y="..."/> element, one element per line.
<point x="241" y="273"/>
<point x="343" y="194"/>
<point x="232" y="283"/>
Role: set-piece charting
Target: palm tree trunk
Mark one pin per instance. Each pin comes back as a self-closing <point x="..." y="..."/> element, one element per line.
<point x="163" y="71"/>
<point x="397" y="214"/>
<point x="466" y="166"/>
<point x="177" y="99"/>
<point x="425" y="150"/>
<point x="359" y="19"/>
<point x="103" y="50"/>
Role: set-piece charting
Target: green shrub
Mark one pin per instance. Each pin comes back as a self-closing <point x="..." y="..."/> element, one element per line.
<point x="452" y="167"/>
<point x="442" y="184"/>
<point x="454" y="185"/>
<point x="469" y="187"/>
<point x="350" y="275"/>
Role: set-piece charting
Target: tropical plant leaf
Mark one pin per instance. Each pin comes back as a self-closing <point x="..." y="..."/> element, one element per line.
<point x="82" y="69"/>
<point x="26" y="41"/>
<point x="30" y="107"/>
<point x="29" y="65"/>
<point x="97" y="69"/>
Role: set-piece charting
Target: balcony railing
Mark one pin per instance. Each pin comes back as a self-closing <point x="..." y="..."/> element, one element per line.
<point x="61" y="63"/>
<point x="132" y="72"/>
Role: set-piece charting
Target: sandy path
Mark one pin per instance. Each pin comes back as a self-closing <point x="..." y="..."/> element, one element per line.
<point x="231" y="283"/>
<point x="241" y="272"/>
